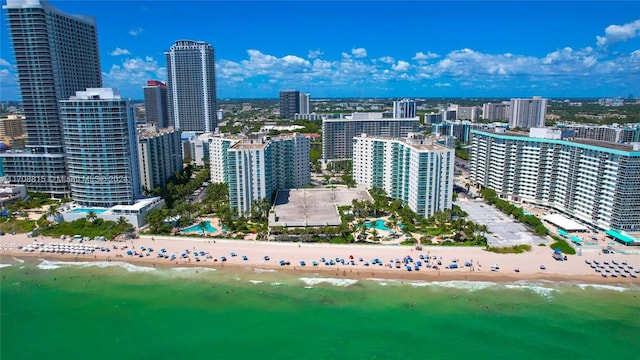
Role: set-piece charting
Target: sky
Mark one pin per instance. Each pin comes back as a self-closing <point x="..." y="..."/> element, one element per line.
<point x="334" y="49"/>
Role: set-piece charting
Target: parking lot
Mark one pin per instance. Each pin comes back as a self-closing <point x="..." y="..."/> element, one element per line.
<point x="503" y="230"/>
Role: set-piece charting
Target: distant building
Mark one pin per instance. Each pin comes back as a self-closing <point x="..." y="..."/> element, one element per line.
<point x="11" y="126"/>
<point x="471" y="113"/>
<point x="496" y="112"/>
<point x="528" y="113"/>
<point x="196" y="148"/>
<point x="191" y="73"/>
<point x="338" y="134"/>
<point x="416" y="170"/>
<point x="432" y="118"/>
<point x="611" y="133"/>
<point x="304" y="104"/>
<point x="155" y="103"/>
<point x="256" y="167"/>
<point x="160" y="155"/>
<point x="289" y="103"/>
<point x="101" y="140"/>
<point x="404" y="109"/>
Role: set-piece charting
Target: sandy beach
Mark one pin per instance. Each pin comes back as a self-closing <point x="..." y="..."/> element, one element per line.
<point x="251" y="255"/>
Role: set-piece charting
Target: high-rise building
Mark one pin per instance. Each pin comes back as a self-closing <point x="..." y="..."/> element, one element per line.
<point x="528" y="113"/>
<point x="304" y="104"/>
<point x="155" y="103"/>
<point x="416" y="170"/>
<point x="496" y="112"/>
<point x="256" y="167"/>
<point x="160" y="155"/>
<point x="596" y="182"/>
<point x="471" y="113"/>
<point x="101" y="143"/>
<point x="191" y="74"/>
<point x="289" y="103"/>
<point x="56" y="55"/>
<point x="337" y="134"/>
<point x="404" y="109"/>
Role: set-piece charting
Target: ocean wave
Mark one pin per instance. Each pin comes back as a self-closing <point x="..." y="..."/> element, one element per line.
<point x="259" y="270"/>
<point x="463" y="285"/>
<point x="5" y="265"/>
<point x="332" y="281"/>
<point x="602" y="287"/>
<point x="191" y="270"/>
<point x="538" y="289"/>
<point x="256" y="281"/>
<point x="52" y="265"/>
<point x="16" y="259"/>
<point x="276" y="284"/>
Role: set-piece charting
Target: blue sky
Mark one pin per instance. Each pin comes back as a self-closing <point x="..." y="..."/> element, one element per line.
<point x="371" y="48"/>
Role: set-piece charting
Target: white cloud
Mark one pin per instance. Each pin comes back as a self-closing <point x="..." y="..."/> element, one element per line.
<point x="136" y="31"/>
<point x="401" y="66"/>
<point x="119" y="51"/>
<point x="315" y="53"/>
<point x="345" y="55"/>
<point x="359" y="52"/>
<point x="422" y="56"/>
<point x="4" y="62"/>
<point x="133" y="73"/>
<point x="442" y="84"/>
<point x="618" y="33"/>
<point x="387" y="59"/>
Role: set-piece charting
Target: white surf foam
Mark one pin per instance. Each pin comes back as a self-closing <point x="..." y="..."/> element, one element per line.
<point x="276" y="283"/>
<point x="4" y="265"/>
<point x="332" y="281"/>
<point x="543" y="291"/>
<point x="258" y="270"/>
<point x="255" y="281"/>
<point x="191" y="270"/>
<point x="602" y="287"/>
<point x="463" y="285"/>
<point x="51" y="265"/>
<point x="18" y="260"/>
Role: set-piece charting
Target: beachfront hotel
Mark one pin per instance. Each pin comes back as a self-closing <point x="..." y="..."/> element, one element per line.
<point x="255" y="167"/>
<point x="191" y="88"/>
<point x="416" y="170"/>
<point x="337" y="134"/>
<point x="594" y="182"/>
<point x="56" y="55"/>
<point x="101" y="140"/>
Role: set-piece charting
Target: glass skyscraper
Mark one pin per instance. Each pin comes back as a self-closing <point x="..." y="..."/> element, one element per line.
<point x="56" y="55"/>
<point x="191" y="74"/>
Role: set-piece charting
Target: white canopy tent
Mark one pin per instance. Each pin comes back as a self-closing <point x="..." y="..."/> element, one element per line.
<point x="564" y="223"/>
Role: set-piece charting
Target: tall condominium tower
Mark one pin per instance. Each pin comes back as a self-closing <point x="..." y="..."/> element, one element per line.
<point x="191" y="72"/>
<point x="492" y="111"/>
<point x="304" y="103"/>
<point x="155" y="103"/>
<point x="289" y="103"/>
<point x="160" y="155"/>
<point x="404" y="109"/>
<point x="416" y="170"/>
<point x="256" y="167"/>
<point x="101" y="143"/>
<point x="56" y="55"/>
<point x="528" y="113"/>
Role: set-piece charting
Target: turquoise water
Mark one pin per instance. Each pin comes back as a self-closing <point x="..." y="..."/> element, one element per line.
<point x="87" y="210"/>
<point x="378" y="224"/>
<point x="197" y="229"/>
<point x="129" y="312"/>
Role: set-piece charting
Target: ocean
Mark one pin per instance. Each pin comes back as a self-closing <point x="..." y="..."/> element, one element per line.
<point x="56" y="310"/>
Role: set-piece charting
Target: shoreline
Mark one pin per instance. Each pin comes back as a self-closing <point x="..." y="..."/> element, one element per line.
<point x="573" y="270"/>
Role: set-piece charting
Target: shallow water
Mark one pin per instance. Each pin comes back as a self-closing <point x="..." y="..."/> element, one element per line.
<point x="117" y="310"/>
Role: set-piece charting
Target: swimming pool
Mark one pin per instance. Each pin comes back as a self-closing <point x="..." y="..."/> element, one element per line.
<point x="378" y="224"/>
<point x="198" y="229"/>
<point x="88" y="210"/>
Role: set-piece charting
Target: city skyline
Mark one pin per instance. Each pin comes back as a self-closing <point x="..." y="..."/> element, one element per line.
<point x="359" y="49"/>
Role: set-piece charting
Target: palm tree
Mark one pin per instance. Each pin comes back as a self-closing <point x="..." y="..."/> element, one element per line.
<point x="202" y="227"/>
<point x="91" y="216"/>
<point x="122" y="224"/>
<point x="52" y="212"/>
<point x="374" y="234"/>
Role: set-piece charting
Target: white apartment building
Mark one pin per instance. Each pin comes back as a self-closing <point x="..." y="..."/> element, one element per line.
<point x="528" y="113"/>
<point x="595" y="182"/>
<point x="416" y="170"/>
<point x="160" y="155"/>
<point x="256" y="167"/>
